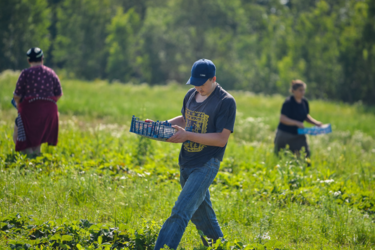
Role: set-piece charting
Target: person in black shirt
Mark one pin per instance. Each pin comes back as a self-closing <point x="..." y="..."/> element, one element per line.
<point x="294" y="112"/>
<point x="209" y="112"/>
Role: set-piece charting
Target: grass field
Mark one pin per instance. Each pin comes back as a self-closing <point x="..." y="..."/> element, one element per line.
<point x="103" y="187"/>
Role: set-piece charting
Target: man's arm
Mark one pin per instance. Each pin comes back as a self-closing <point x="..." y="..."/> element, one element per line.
<point x="179" y="121"/>
<point x="209" y="139"/>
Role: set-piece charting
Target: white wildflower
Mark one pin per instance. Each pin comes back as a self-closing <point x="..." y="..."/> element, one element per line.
<point x="337" y="193"/>
<point x="327" y="181"/>
<point x="265" y="236"/>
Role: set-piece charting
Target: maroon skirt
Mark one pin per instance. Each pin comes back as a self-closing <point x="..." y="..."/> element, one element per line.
<point x="38" y="122"/>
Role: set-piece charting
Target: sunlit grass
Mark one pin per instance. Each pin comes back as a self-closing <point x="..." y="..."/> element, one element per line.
<point x="102" y="173"/>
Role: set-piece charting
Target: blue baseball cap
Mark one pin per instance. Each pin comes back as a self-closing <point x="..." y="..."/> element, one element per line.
<point x="201" y="71"/>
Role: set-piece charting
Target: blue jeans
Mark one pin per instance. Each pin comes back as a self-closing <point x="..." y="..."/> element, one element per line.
<point x="193" y="204"/>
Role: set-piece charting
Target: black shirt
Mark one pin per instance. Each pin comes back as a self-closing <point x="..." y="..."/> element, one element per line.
<point x="294" y="110"/>
<point x="212" y="115"/>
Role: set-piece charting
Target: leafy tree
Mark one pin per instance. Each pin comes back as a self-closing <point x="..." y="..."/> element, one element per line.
<point x="23" y="24"/>
<point x="257" y="45"/>
<point x="80" y="41"/>
<point x="358" y="53"/>
<point x="121" y="43"/>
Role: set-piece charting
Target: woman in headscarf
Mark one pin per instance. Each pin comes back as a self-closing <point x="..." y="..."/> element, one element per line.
<point x="37" y="91"/>
<point x="294" y="112"/>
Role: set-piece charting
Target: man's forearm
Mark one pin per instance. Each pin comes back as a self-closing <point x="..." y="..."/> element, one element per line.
<point x="179" y="121"/>
<point x="210" y="139"/>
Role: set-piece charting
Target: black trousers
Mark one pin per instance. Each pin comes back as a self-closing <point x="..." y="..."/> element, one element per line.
<point x="295" y="142"/>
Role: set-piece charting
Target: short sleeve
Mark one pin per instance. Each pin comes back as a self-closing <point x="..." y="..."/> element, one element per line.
<point x="186" y="98"/>
<point x="286" y="109"/>
<point x="183" y="107"/>
<point x="21" y="85"/>
<point x="307" y="107"/>
<point x="226" y="116"/>
<point x="57" y="90"/>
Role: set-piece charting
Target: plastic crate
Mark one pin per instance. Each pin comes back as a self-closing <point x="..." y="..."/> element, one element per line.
<point x="325" y="129"/>
<point x="14" y="103"/>
<point x="160" y="131"/>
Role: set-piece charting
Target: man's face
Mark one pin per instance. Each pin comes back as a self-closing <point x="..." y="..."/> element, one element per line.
<point x="207" y="87"/>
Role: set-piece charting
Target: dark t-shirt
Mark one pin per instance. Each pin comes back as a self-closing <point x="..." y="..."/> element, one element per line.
<point x="212" y="115"/>
<point x="38" y="81"/>
<point x="294" y="110"/>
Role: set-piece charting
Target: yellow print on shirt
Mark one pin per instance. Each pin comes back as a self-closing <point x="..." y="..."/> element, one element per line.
<point x="198" y="121"/>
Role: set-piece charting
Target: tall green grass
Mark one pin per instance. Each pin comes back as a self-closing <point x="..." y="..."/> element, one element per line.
<point x="102" y="173"/>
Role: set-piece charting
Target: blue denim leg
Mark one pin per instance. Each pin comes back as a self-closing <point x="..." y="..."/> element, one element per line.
<point x="194" y="200"/>
<point x="205" y="219"/>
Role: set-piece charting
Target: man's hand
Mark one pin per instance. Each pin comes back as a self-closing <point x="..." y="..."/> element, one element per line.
<point x="180" y="136"/>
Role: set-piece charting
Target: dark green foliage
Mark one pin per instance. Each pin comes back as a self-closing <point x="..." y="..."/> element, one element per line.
<point x="74" y="235"/>
<point x="122" y="42"/>
<point x="80" y="42"/>
<point x="23" y="24"/>
<point x="258" y="46"/>
<point x="85" y="235"/>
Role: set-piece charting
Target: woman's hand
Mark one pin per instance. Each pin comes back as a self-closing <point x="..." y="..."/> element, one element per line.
<point x="311" y="120"/>
<point x="180" y="136"/>
<point x="17" y="99"/>
<point x="149" y="120"/>
<point x="299" y="124"/>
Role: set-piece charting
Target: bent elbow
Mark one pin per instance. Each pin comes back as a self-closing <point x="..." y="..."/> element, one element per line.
<point x="222" y="144"/>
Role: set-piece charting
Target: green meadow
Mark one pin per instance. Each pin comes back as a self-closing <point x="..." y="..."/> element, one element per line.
<point x="105" y="188"/>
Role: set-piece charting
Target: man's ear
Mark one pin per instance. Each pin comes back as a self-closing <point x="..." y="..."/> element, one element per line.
<point x="214" y="79"/>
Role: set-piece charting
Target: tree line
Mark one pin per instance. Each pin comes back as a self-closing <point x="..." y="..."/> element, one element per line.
<point x="257" y="45"/>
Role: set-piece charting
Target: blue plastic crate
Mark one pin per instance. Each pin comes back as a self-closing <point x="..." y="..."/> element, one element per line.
<point x="160" y="131"/>
<point x="325" y="129"/>
<point x="14" y="103"/>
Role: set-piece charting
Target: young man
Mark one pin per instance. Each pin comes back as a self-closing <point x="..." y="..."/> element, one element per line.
<point x="209" y="112"/>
